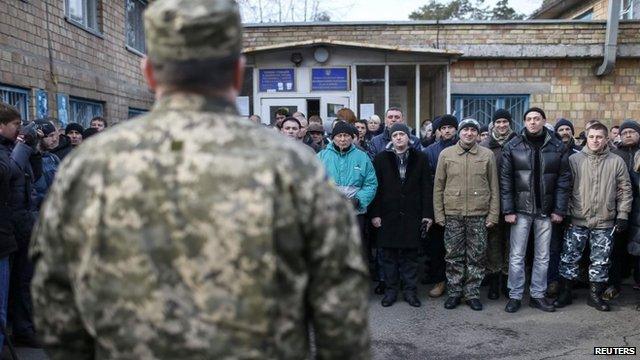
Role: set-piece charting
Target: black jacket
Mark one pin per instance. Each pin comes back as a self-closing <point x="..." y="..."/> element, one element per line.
<point x="7" y="237"/>
<point x="517" y="188"/>
<point x="402" y="206"/>
<point x="64" y="147"/>
<point x="627" y="153"/>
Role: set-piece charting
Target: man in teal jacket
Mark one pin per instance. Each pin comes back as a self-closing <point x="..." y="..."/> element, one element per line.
<point x="352" y="171"/>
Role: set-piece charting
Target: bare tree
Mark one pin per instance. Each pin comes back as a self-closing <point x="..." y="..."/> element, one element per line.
<point x="261" y="11"/>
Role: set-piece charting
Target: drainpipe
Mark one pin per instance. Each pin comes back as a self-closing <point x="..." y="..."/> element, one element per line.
<point x="611" y="40"/>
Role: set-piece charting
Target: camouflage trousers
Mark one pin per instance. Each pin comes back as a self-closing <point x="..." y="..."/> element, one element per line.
<point x="465" y="240"/>
<point x="576" y="238"/>
<point x="498" y="249"/>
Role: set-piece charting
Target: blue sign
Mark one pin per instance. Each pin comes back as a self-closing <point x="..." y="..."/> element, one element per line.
<point x="42" y="106"/>
<point x="329" y="79"/>
<point x="277" y="80"/>
<point x="62" y="101"/>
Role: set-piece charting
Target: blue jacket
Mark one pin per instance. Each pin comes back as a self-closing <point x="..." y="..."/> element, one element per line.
<point x="41" y="186"/>
<point x="433" y="151"/>
<point x="380" y="142"/>
<point x="353" y="173"/>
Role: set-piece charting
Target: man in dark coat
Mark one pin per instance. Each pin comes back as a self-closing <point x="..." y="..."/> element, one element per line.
<point x="447" y="125"/>
<point x="379" y="142"/>
<point x="621" y="260"/>
<point x="402" y="207"/>
<point x="498" y="239"/>
<point x="535" y="181"/>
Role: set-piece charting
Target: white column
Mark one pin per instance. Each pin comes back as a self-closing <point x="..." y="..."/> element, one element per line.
<point x="418" y="100"/>
<point x="386" y="91"/>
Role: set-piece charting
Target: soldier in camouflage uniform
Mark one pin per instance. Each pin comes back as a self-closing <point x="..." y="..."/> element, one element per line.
<point x="466" y="202"/>
<point x="191" y="233"/>
<point x="599" y="205"/>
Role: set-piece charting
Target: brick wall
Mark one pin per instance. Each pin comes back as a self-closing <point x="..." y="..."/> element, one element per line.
<point x="575" y="93"/>
<point x="84" y="65"/>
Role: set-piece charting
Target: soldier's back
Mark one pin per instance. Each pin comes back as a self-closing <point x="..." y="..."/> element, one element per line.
<point x="184" y="238"/>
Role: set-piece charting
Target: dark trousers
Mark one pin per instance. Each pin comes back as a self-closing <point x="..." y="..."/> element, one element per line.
<point x="400" y="264"/>
<point x="621" y="261"/>
<point x="555" y="250"/>
<point x="20" y="301"/>
<point x="436" y="252"/>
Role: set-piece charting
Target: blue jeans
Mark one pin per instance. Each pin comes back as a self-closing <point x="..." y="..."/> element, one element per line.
<point x="5" y="275"/>
<point x="519" y="237"/>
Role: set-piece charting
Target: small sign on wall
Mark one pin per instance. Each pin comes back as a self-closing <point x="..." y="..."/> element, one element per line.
<point x="63" y="109"/>
<point x="330" y="79"/>
<point x="277" y="80"/>
<point x="42" y="105"/>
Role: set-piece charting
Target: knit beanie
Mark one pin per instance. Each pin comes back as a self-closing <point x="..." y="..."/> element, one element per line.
<point x="536" y="109"/>
<point x="73" y="126"/>
<point x="448" y="120"/>
<point x="400" y="127"/>
<point x="502" y="114"/>
<point x="564" y="122"/>
<point x="469" y="123"/>
<point x="343" y="127"/>
<point x="630" y="124"/>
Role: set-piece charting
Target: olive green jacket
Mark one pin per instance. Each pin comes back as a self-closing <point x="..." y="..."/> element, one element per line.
<point x="601" y="189"/>
<point x="466" y="184"/>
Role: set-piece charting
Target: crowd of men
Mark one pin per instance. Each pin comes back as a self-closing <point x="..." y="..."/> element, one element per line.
<point x="29" y="158"/>
<point x="473" y="197"/>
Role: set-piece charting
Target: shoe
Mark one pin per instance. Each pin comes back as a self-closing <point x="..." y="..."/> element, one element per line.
<point x="494" y="286"/>
<point x="503" y="284"/>
<point x="636" y="286"/>
<point x="565" y="297"/>
<point x="595" y="298"/>
<point x="541" y="304"/>
<point x="412" y="300"/>
<point x="513" y="305"/>
<point x="611" y="293"/>
<point x="474" y="304"/>
<point x="452" y="302"/>
<point x="437" y="290"/>
<point x="380" y="288"/>
<point x="388" y="300"/>
<point x="553" y="288"/>
<point x="26" y="340"/>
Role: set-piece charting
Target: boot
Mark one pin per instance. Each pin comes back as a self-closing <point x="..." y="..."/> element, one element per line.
<point x="494" y="286"/>
<point x="595" y="297"/>
<point x="437" y="290"/>
<point x="565" y="297"/>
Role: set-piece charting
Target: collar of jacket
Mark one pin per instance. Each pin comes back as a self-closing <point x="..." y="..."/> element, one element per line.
<point x="602" y="152"/>
<point x="5" y="141"/>
<point x="548" y="138"/>
<point x="194" y="102"/>
<point x="332" y="147"/>
<point x="460" y="150"/>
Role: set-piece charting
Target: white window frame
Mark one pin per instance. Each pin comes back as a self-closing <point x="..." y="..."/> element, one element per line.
<point x="134" y="47"/>
<point x="88" y="22"/>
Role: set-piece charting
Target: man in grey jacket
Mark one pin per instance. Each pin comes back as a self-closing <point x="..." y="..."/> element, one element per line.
<point x="599" y="206"/>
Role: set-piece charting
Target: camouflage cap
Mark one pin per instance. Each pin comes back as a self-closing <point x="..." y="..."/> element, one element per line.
<point x="182" y="30"/>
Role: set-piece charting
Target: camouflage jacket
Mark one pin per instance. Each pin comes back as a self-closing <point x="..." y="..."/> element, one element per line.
<point x="189" y="233"/>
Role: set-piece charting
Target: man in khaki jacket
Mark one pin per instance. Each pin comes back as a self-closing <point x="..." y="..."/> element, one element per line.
<point x="599" y="205"/>
<point x="466" y="202"/>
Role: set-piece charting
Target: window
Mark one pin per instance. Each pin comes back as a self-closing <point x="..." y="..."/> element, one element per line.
<point x="370" y="80"/>
<point x="133" y="112"/>
<point x="482" y="107"/>
<point x="630" y="9"/>
<point x="84" y="13"/>
<point x="16" y="97"/>
<point x="587" y="15"/>
<point x="244" y="101"/>
<point x="82" y="111"/>
<point x="135" y="26"/>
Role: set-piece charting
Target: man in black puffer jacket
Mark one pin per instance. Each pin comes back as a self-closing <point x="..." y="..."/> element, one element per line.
<point x="535" y="180"/>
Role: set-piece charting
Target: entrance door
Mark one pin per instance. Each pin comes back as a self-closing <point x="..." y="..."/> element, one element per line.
<point x="269" y="107"/>
<point x="329" y="106"/>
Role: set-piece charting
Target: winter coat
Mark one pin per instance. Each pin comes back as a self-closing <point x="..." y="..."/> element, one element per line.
<point x="402" y="205"/>
<point x="7" y="238"/>
<point x="634" y="217"/>
<point x="379" y="143"/>
<point x="433" y="151"/>
<point x="64" y="147"/>
<point x="601" y="189"/>
<point x="492" y="144"/>
<point x="517" y="178"/>
<point x="466" y="184"/>
<point x="353" y="173"/>
<point x="50" y="163"/>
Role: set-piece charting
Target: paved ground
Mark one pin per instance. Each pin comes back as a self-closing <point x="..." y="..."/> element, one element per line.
<point x="432" y="332"/>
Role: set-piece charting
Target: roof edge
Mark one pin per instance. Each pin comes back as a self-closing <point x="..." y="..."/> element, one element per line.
<point x="426" y="22"/>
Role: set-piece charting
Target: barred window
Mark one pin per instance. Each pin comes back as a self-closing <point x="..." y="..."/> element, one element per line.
<point x="81" y="111"/>
<point x="630" y="9"/>
<point x="482" y="107"/>
<point x="135" y="25"/>
<point x="17" y="97"/>
<point x="133" y="112"/>
<point x="83" y="13"/>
